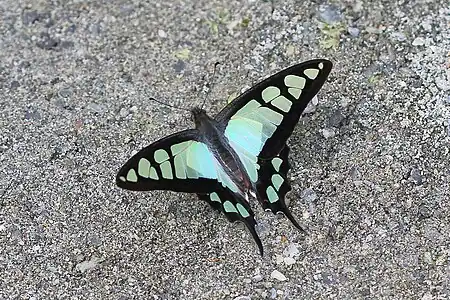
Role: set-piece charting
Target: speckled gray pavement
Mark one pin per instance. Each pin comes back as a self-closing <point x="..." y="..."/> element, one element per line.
<point x="370" y="161"/>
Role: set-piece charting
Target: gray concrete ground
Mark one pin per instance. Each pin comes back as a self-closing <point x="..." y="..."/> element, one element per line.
<point x="370" y="162"/>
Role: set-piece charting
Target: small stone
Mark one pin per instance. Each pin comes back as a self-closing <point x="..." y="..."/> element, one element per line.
<point x="418" y="41"/>
<point x="95" y="28"/>
<point x="179" y="66"/>
<point x="291" y="251"/>
<point x="399" y="36"/>
<point x="278" y="276"/>
<point x="65" y="92"/>
<point x="278" y="259"/>
<point x="162" y="33"/>
<point x="97" y="108"/>
<point x="426" y="25"/>
<point x="14" y="84"/>
<point x="353" y="31"/>
<point x="32" y="114"/>
<point x="269" y="45"/>
<point x="71" y="28"/>
<point x="416" y="176"/>
<point x="441" y="260"/>
<point x="52" y="269"/>
<point x="442" y="83"/>
<point x="311" y="107"/>
<point x="257" y="278"/>
<point x="290" y="50"/>
<point x="328" y="133"/>
<point x="123" y="112"/>
<point x="247" y="280"/>
<point x="336" y="118"/>
<point x="289" y="261"/>
<point x="273" y="293"/>
<point x="2" y="228"/>
<point x="309" y="195"/>
<point x="329" y="14"/>
<point x="30" y="17"/>
<point x="243" y="298"/>
<point x="88" y="264"/>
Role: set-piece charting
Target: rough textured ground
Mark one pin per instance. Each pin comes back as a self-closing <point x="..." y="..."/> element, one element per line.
<point x="370" y="162"/>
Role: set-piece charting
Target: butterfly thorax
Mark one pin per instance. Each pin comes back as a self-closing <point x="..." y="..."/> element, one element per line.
<point x="213" y="136"/>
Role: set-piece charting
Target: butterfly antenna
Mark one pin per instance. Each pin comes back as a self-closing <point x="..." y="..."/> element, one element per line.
<point x="6" y="190"/>
<point x="212" y="81"/>
<point x="169" y="105"/>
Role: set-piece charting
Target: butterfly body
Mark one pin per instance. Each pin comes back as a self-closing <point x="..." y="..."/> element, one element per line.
<point x="211" y="133"/>
<point x="239" y="154"/>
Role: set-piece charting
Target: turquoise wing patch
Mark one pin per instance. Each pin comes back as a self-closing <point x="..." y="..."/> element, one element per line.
<point x="178" y="162"/>
<point x="259" y="122"/>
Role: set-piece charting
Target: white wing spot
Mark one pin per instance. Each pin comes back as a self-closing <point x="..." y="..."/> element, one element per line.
<point x="144" y="168"/>
<point x="282" y="103"/>
<point x="311" y="73"/>
<point x="131" y="176"/>
<point x="295" y="92"/>
<point x="294" y="81"/>
<point x="270" y="93"/>
<point x="161" y="155"/>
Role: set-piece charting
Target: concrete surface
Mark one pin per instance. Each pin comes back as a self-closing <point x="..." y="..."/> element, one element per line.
<point x="370" y="162"/>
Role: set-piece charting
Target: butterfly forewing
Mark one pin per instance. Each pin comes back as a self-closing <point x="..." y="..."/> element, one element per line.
<point x="259" y="121"/>
<point x="179" y="162"/>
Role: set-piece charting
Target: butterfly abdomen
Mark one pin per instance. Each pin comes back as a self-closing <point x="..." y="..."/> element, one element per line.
<point x="224" y="154"/>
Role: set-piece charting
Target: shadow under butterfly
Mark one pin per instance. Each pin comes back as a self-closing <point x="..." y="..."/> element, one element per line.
<point x="239" y="155"/>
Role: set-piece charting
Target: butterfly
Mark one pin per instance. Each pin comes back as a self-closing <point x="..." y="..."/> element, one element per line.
<point x="239" y="155"/>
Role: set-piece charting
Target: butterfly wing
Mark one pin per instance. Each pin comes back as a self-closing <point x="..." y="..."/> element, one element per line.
<point x="261" y="120"/>
<point x="274" y="184"/>
<point x="235" y="208"/>
<point x="179" y="162"/>
<point x="258" y="123"/>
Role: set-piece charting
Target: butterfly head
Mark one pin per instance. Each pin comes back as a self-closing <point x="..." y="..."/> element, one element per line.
<point x="198" y="116"/>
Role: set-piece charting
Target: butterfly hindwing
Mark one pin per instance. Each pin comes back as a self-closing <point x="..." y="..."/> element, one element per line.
<point x="258" y="122"/>
<point x="179" y="162"/>
<point x="273" y="184"/>
<point x="235" y="208"/>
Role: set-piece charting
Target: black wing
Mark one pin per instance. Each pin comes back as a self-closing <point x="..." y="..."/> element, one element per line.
<point x="273" y="185"/>
<point x="179" y="162"/>
<point x="235" y="208"/>
<point x="277" y="104"/>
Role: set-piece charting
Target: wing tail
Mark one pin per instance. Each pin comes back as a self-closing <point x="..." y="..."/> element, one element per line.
<point x="235" y="208"/>
<point x="273" y="185"/>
